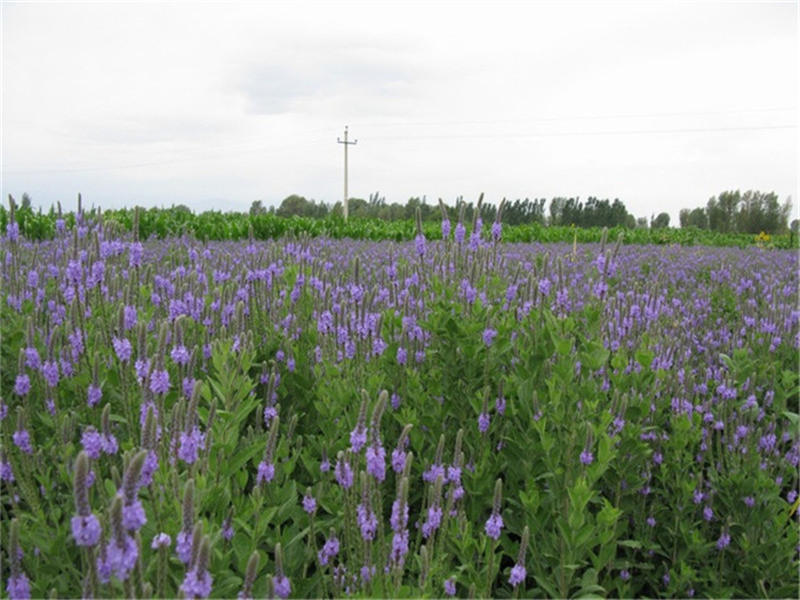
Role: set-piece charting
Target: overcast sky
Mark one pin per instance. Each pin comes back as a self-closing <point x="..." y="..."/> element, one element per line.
<point x="217" y="105"/>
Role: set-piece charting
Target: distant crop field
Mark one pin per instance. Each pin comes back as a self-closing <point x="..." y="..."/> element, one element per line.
<point x="218" y="226"/>
<point x="275" y="412"/>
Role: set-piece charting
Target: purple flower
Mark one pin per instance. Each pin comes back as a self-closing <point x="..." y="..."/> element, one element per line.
<point x="587" y="457"/>
<point x="12" y="233"/>
<point x="433" y="473"/>
<point x="517" y="576"/>
<point x="281" y="585"/>
<point x="378" y="346"/>
<point x="32" y="360"/>
<point x="402" y="356"/>
<point x="343" y="473"/>
<point x="483" y="422"/>
<point x="183" y="546"/>
<point x="122" y="348"/>
<point x="92" y="442"/>
<point x="196" y="585"/>
<point x="358" y="437"/>
<point x="651" y="522"/>
<point x="67" y="368"/>
<point x="398" y="460"/>
<point x="475" y="236"/>
<point x="419" y="244"/>
<point x="110" y="445"/>
<point x="129" y="317"/>
<point x="376" y="461"/>
<point x="458" y="492"/>
<point x="149" y="467"/>
<point x="180" y="355"/>
<point x="723" y="541"/>
<point x="133" y="516"/>
<point x="227" y="530"/>
<point x="460" y="232"/>
<point x="33" y="278"/>
<point x="86" y="530"/>
<point x="270" y="413"/>
<point x="329" y="550"/>
<point x="50" y="372"/>
<point x="399" y="547"/>
<point x="142" y="366"/>
<point x="188" y="386"/>
<point x="6" y="472"/>
<point x="367" y="522"/>
<point x="18" y="586"/>
<point x="22" y="385"/>
<point x="367" y="573"/>
<point x="493" y="526"/>
<point x="93" y="395"/>
<point x="190" y="443"/>
<point x="159" y="382"/>
<point x="749" y="501"/>
<point x="544" y="286"/>
<point x="488" y="336"/>
<point x="708" y="513"/>
<point x="161" y="540"/>
<point x="624" y="575"/>
<point x="309" y="504"/>
<point x="450" y="587"/>
<point x="497" y="231"/>
<point x="118" y="557"/>
<point x="266" y="472"/>
<point x="135" y="252"/>
<point x="433" y="521"/>
<point x="398" y="520"/>
<point x="22" y="440"/>
<point x="445" y="228"/>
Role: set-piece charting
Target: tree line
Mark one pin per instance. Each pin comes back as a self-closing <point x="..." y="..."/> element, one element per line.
<point x="750" y="212"/>
<point x="594" y="212"/>
<point x="736" y="212"/>
<point x="730" y="212"/>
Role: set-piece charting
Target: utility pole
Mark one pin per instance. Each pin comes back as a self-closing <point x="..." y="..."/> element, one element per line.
<point x="346" y="144"/>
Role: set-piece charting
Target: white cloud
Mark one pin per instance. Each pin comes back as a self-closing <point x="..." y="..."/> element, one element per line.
<point x="659" y="104"/>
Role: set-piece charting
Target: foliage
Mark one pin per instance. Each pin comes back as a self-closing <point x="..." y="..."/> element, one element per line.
<point x="732" y="211"/>
<point x="629" y="412"/>
<point x="216" y="225"/>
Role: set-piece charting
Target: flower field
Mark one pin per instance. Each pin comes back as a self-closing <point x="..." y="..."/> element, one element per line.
<point x="310" y="417"/>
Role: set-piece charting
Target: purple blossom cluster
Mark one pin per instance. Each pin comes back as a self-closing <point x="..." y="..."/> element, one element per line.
<point x="314" y="309"/>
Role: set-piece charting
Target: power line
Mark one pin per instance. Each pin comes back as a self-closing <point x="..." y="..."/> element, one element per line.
<point x="582" y="117"/>
<point x="273" y="149"/>
<point x="585" y="133"/>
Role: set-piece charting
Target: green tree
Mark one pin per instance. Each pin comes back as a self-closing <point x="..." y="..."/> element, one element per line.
<point x="695" y="217"/>
<point x="294" y="205"/>
<point x="660" y="222"/>
<point x="257" y="208"/>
